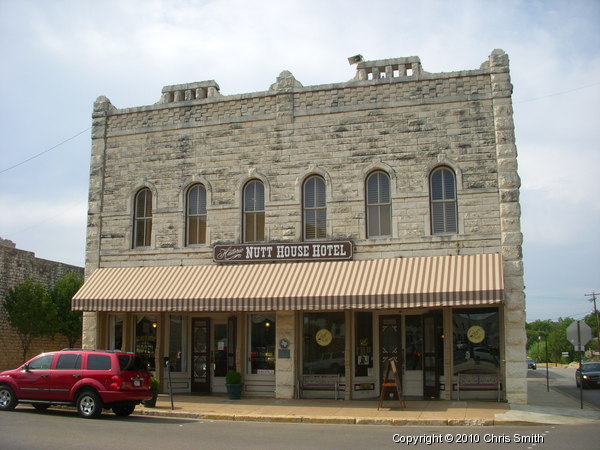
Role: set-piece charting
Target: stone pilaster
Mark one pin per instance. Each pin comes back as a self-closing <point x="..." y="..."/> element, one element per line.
<point x="285" y="379"/>
<point x="510" y="228"/>
<point x="90" y="330"/>
<point x="285" y="86"/>
<point x="102" y="109"/>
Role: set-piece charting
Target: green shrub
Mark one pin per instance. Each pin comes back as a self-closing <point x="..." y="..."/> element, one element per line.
<point x="233" y="377"/>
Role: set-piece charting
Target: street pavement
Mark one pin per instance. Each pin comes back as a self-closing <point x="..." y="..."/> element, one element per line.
<point x="544" y="407"/>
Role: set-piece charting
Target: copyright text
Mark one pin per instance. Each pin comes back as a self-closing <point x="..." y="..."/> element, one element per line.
<point x="464" y="438"/>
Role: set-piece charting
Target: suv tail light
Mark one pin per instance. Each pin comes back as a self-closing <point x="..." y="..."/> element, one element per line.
<point x="116" y="383"/>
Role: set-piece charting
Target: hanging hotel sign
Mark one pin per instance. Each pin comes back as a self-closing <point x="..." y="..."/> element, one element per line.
<point x="300" y="251"/>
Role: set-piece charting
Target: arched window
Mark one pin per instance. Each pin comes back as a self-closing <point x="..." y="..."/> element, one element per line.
<point x="196" y="215"/>
<point x="254" y="212"/>
<point x="314" y="209"/>
<point x="379" y="205"/>
<point x="442" y="192"/>
<point x="142" y="223"/>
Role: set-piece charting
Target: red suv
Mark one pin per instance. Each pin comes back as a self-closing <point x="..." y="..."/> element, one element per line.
<point x="88" y="379"/>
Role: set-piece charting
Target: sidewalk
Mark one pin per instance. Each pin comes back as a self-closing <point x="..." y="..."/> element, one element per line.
<point x="552" y="407"/>
<point x="544" y="408"/>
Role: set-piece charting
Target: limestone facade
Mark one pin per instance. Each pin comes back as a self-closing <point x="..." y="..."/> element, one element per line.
<point x="392" y="116"/>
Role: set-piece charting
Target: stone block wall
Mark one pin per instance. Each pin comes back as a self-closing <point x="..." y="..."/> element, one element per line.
<point x="404" y="125"/>
<point x="15" y="267"/>
<point x="392" y="116"/>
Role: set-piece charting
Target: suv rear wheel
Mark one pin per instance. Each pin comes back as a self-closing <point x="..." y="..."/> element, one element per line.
<point x="89" y="405"/>
<point x="8" y="401"/>
<point x="123" y="410"/>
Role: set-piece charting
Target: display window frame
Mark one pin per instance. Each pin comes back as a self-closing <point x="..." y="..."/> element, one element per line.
<point x="476" y="340"/>
<point x="261" y="361"/>
<point x="324" y="338"/>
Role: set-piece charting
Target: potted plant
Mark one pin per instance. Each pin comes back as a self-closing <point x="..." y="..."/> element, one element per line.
<point x="154" y="388"/>
<point x="233" y="382"/>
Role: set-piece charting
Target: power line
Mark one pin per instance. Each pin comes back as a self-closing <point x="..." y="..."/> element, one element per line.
<point x="45" y="151"/>
<point x="558" y="93"/>
<point x="571" y="316"/>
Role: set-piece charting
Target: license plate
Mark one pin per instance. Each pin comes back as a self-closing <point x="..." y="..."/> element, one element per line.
<point x="137" y="383"/>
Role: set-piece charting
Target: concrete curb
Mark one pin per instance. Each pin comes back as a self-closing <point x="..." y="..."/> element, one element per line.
<point x="337" y="420"/>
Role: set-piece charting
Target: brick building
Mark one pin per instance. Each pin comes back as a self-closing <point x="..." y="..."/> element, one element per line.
<point x="313" y="230"/>
<point x="15" y="267"/>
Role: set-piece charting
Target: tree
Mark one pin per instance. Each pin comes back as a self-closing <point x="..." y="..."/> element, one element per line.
<point x="557" y="339"/>
<point x="537" y="328"/>
<point x="537" y="351"/>
<point x="592" y="320"/>
<point x="556" y="335"/>
<point x="69" y="322"/>
<point x="30" y="312"/>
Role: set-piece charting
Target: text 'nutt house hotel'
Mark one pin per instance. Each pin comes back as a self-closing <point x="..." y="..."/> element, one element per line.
<point x="313" y="230"/>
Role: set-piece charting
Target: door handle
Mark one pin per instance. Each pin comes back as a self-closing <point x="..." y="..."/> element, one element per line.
<point x="76" y="375"/>
<point x="44" y="376"/>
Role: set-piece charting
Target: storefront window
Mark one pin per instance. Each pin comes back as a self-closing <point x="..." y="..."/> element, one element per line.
<point x="262" y="344"/>
<point x="476" y="340"/>
<point x="414" y="343"/>
<point x="177" y="339"/>
<point x="145" y="339"/>
<point x="364" y="344"/>
<point x="324" y="343"/>
<point x="116" y="333"/>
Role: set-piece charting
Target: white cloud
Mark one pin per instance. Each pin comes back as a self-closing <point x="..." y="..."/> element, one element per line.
<point x="20" y="215"/>
<point x="64" y="54"/>
<point x="52" y="230"/>
<point x="562" y="175"/>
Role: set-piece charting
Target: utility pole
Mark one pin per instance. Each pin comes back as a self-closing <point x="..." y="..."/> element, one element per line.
<point x="593" y="299"/>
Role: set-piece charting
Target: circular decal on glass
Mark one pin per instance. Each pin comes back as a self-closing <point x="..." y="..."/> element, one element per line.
<point x="475" y="334"/>
<point x="323" y="337"/>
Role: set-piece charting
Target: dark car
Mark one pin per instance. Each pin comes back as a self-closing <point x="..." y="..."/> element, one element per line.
<point x="591" y="375"/>
<point x="531" y="364"/>
<point x="90" y="380"/>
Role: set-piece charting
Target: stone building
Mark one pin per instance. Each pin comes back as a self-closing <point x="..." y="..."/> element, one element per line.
<point x="314" y="230"/>
<point x="15" y="267"/>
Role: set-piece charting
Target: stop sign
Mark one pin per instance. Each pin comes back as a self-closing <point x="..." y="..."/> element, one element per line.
<point x="585" y="334"/>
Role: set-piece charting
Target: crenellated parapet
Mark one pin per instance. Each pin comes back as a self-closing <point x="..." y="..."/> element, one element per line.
<point x="190" y="91"/>
<point x="407" y="67"/>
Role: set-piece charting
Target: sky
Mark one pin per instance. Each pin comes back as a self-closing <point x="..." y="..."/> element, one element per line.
<point x="60" y="55"/>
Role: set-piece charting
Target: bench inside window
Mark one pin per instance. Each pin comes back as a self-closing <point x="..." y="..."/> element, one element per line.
<point x="472" y="381"/>
<point x="320" y="382"/>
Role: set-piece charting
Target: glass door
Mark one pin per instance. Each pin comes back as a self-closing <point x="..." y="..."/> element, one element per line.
<point x="431" y="355"/>
<point x="201" y="345"/>
<point x="390" y="344"/>
<point x="219" y="356"/>
<point x="413" y="355"/>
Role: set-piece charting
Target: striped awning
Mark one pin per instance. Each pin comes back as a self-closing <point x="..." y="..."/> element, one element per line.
<point x="397" y="283"/>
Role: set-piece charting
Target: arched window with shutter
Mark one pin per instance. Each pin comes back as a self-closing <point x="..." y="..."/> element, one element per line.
<point x="254" y="212"/>
<point x="379" y="205"/>
<point x="314" y="209"/>
<point x="442" y="192"/>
